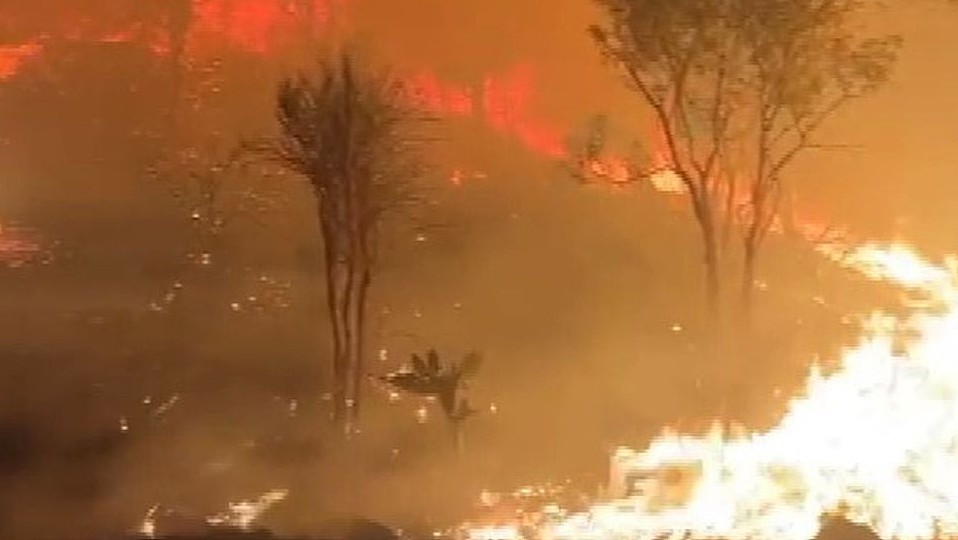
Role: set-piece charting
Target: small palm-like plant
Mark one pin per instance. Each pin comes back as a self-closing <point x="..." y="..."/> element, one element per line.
<point x="429" y="377"/>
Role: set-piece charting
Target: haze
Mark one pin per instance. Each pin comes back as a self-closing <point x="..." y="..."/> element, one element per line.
<point x="585" y="300"/>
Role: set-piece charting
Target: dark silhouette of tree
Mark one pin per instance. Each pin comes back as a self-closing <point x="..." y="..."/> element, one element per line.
<point x="348" y="131"/>
<point x="806" y="65"/>
<point x="737" y="88"/>
<point x="685" y="61"/>
<point x="430" y="378"/>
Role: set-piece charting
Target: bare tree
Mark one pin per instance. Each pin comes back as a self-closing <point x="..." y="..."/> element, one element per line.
<point x="806" y="66"/>
<point x="348" y="130"/>
<point x="737" y="89"/>
<point x="684" y="59"/>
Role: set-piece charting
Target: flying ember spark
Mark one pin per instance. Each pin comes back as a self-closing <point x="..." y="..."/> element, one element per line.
<point x="242" y="515"/>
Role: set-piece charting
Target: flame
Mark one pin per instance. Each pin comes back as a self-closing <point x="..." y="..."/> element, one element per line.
<point x="14" y="57"/>
<point x="427" y="92"/>
<point x="876" y="441"/>
<point x="250" y="26"/>
<point x="504" y="102"/>
<point x="242" y="515"/>
<point x="147" y="527"/>
<point x="257" y="26"/>
<point x="502" y="532"/>
<point x="21" y="246"/>
<point x="897" y="264"/>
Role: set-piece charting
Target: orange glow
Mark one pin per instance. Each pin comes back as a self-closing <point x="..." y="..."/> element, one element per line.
<point x="121" y="36"/>
<point x="13" y="57"/>
<point x="426" y="91"/>
<point x="258" y="26"/>
<point x="18" y="246"/>
<point x="874" y="441"/>
<point x="506" y="103"/>
<point x="265" y="26"/>
<point x="250" y="25"/>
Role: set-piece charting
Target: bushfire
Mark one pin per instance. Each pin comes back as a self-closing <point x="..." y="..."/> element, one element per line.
<point x="875" y="441"/>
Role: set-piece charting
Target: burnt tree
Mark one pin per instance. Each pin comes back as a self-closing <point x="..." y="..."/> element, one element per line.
<point x="348" y="130"/>
<point x="806" y="65"/>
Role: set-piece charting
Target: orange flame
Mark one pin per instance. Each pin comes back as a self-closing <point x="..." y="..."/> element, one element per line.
<point x="877" y="440"/>
<point x="14" y="57"/>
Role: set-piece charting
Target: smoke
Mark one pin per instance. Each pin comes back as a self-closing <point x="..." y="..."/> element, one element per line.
<point x="585" y="302"/>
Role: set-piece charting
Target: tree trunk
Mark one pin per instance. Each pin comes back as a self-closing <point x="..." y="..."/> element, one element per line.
<point x="713" y="289"/>
<point x="709" y="369"/>
<point x="339" y="375"/>
<point x="349" y="359"/>
<point x="359" y="362"/>
<point x="749" y="259"/>
<point x="711" y="250"/>
<point x="458" y="437"/>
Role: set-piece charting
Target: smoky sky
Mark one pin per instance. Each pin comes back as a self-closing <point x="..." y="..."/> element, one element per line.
<point x="78" y="120"/>
<point x="577" y="288"/>
<point x="899" y="156"/>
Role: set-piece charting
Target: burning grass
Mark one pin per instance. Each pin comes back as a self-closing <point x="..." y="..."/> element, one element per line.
<point x="875" y="442"/>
